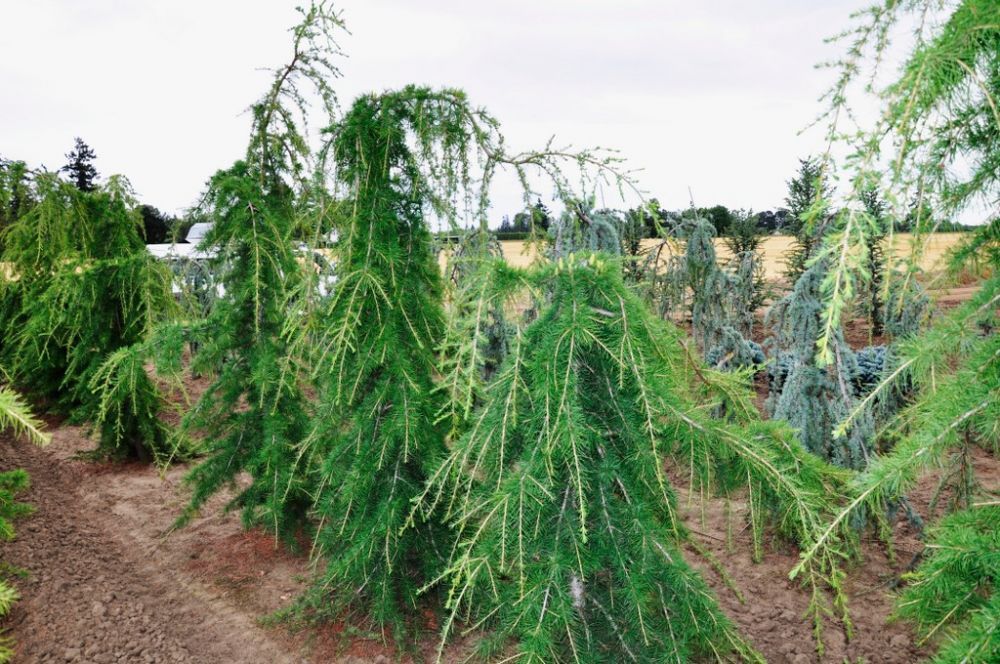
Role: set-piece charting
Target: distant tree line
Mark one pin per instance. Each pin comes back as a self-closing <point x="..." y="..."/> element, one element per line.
<point x="784" y="220"/>
<point x="16" y="199"/>
<point x="159" y="227"/>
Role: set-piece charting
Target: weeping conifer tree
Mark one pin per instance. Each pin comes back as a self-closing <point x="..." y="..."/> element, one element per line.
<point x="376" y="427"/>
<point x="709" y="287"/>
<point x="581" y="228"/>
<point x="873" y="301"/>
<point x="244" y="349"/>
<point x="720" y="301"/>
<point x="907" y="308"/>
<point x="478" y="332"/>
<point x="663" y="284"/>
<point x="953" y="368"/>
<point x="569" y="543"/>
<point x="808" y="194"/>
<point x="86" y="288"/>
<point x="939" y="120"/>
<point x="746" y="265"/>
<point x="632" y="231"/>
<point x="253" y="414"/>
<point x="16" y="195"/>
<point x="382" y="419"/>
<point x="682" y="274"/>
<point x="33" y="252"/>
<point x="811" y="397"/>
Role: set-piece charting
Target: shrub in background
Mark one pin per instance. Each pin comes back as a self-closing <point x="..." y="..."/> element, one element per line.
<point x="85" y="288"/>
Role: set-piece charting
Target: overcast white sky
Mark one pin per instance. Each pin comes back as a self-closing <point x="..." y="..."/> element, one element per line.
<point x="702" y="94"/>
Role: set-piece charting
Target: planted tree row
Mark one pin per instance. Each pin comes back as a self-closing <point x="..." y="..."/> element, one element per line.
<point x="494" y="445"/>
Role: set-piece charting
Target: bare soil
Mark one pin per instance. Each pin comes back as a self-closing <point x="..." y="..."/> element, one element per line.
<point x="101" y="585"/>
<point x="771" y="608"/>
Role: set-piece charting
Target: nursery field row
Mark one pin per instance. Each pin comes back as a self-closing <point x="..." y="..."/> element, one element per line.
<point x="775" y="249"/>
<point x="584" y="448"/>
<point x="107" y="582"/>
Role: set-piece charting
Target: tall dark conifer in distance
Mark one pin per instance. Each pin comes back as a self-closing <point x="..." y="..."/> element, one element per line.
<point x="875" y="259"/>
<point x="156" y="225"/>
<point x="80" y="166"/>
<point x="808" y="192"/>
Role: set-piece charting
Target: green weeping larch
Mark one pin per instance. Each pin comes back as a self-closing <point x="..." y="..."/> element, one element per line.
<point x="377" y="425"/>
<point x="568" y="540"/>
<point x="85" y="288"/>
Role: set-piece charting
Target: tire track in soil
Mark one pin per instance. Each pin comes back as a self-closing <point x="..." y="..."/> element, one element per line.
<point x="92" y="597"/>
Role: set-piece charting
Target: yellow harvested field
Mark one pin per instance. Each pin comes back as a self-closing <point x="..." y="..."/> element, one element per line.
<point x="775" y="247"/>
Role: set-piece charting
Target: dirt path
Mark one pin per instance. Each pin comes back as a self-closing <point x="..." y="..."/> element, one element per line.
<point x="100" y="592"/>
